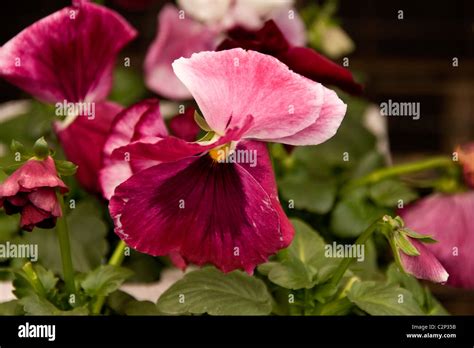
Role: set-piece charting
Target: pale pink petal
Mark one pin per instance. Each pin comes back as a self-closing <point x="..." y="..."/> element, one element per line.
<point x="325" y="127"/>
<point x="229" y="85"/>
<point x="291" y="25"/>
<point x="175" y="38"/>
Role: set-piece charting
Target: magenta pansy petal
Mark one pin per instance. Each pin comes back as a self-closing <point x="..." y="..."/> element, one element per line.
<point x="229" y="85"/>
<point x="325" y="127"/>
<point x="177" y="37"/>
<point x="172" y="149"/>
<point x="183" y="125"/>
<point x="208" y="212"/>
<point x="68" y="55"/>
<point x="263" y="173"/>
<point x="448" y="218"/>
<point x="125" y="128"/>
<point x="424" y="266"/>
<point x="83" y="141"/>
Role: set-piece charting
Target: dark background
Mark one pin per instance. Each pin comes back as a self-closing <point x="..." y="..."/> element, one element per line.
<point x="403" y="60"/>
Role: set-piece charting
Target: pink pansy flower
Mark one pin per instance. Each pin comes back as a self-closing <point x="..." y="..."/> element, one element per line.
<point x="68" y="56"/>
<point x="199" y="27"/>
<point x="215" y="209"/>
<point x="31" y="192"/>
<point x="448" y="218"/>
<point x="425" y="265"/>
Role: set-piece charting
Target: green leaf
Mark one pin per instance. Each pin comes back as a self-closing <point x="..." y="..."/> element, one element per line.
<point x="13" y="307"/>
<point x="422" y="294"/>
<point x="303" y="264"/>
<point x="388" y="193"/>
<point x="87" y="231"/>
<point x="403" y="243"/>
<point x="308" y="192"/>
<point x="201" y="122"/>
<point x="142" y="308"/>
<point x="208" y="290"/>
<point x="378" y="298"/>
<point x="424" y="238"/>
<point x="35" y="305"/>
<point x="23" y="288"/>
<point x="104" y="280"/>
<point x="352" y="216"/>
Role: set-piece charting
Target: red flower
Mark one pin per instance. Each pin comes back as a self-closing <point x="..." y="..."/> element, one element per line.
<point x="31" y="191"/>
<point x="304" y="61"/>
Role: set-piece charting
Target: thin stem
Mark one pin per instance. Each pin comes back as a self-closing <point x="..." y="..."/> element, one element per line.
<point x="385" y="173"/>
<point x="344" y="265"/>
<point x="65" y="247"/>
<point x="115" y="260"/>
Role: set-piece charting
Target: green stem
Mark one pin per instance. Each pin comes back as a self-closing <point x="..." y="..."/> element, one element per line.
<point x="344" y="265"/>
<point x="115" y="260"/>
<point x="65" y="247"/>
<point x="402" y="169"/>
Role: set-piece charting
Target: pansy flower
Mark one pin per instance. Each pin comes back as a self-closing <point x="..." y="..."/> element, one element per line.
<point x="31" y="192"/>
<point x="68" y="57"/>
<point x="305" y="61"/>
<point x="200" y="199"/>
<point x="448" y="218"/>
<point x="200" y="26"/>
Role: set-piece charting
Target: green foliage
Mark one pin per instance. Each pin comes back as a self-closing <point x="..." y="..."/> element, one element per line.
<point x="86" y="229"/>
<point x="208" y="290"/>
<point x="303" y="264"/>
<point x="377" y="298"/>
<point x="104" y="280"/>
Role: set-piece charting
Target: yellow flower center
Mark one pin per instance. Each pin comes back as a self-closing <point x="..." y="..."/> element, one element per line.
<point x="220" y="153"/>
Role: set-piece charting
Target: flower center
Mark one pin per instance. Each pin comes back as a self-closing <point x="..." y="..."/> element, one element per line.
<point x="220" y="153"/>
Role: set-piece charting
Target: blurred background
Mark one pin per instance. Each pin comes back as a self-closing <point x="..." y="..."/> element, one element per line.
<point x="406" y="51"/>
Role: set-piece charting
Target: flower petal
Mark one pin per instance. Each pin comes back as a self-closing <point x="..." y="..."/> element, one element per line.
<point x="46" y="200"/>
<point x="32" y="175"/>
<point x="424" y="266"/>
<point x="325" y="127"/>
<point x="83" y="141"/>
<point x="229" y="85"/>
<point x="172" y="149"/>
<point x="206" y="211"/>
<point x="68" y="55"/>
<point x="32" y="216"/>
<point x="183" y="125"/>
<point x="262" y="171"/>
<point x="127" y="126"/>
<point x="448" y="219"/>
<point x="304" y="61"/>
<point x="177" y="37"/>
